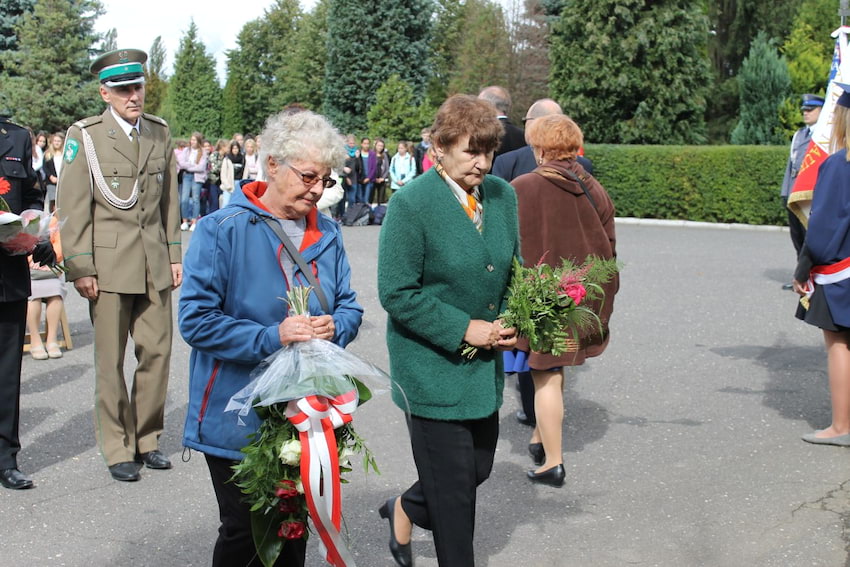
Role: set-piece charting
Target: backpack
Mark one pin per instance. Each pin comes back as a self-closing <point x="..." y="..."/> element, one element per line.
<point x="357" y="214"/>
<point x="378" y="214"/>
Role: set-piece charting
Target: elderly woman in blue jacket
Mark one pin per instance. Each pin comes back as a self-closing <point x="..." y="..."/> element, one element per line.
<point x="231" y="312"/>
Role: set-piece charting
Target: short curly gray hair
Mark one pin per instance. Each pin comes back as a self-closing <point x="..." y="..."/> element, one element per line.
<point x="303" y="135"/>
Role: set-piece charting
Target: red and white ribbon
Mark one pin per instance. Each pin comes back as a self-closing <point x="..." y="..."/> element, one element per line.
<point x="827" y="274"/>
<point x="315" y="418"/>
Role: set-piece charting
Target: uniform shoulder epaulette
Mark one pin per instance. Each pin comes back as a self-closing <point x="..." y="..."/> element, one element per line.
<point x="154" y="118"/>
<point x="10" y="122"/>
<point x="90" y="121"/>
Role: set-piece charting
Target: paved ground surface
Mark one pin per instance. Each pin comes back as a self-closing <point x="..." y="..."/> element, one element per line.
<point x="682" y="441"/>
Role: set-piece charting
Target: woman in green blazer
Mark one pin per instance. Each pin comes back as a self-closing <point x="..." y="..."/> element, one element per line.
<point x="444" y="264"/>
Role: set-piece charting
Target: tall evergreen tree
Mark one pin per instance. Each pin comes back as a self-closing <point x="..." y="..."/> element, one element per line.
<point x="448" y="30"/>
<point x="156" y="83"/>
<point x="763" y="83"/>
<point x="194" y="92"/>
<point x="304" y="69"/>
<point x="257" y="67"/>
<point x="484" y="54"/>
<point x="232" y="112"/>
<point x="529" y="69"/>
<point x="10" y="18"/>
<point x="368" y="42"/>
<point x="47" y="84"/>
<point x="632" y="71"/>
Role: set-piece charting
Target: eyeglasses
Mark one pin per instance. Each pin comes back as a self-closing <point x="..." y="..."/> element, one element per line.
<point x="527" y="120"/>
<point x="310" y="179"/>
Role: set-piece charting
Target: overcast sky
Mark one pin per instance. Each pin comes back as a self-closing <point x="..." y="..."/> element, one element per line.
<point x="218" y="22"/>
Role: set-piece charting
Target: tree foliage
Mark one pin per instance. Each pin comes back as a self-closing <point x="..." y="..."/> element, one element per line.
<point x="395" y="115"/>
<point x="529" y="29"/>
<point x="193" y="92"/>
<point x="10" y="18"/>
<point x="368" y="42"/>
<point x="448" y="31"/>
<point x="632" y="71"/>
<point x="156" y="83"/>
<point x="47" y="84"/>
<point x="764" y="83"/>
<point x="304" y="70"/>
<point x="484" y="54"/>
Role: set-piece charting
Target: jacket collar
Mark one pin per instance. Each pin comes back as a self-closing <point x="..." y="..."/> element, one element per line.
<point x="252" y="193"/>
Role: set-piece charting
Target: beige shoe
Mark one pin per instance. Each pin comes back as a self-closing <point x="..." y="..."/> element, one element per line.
<point x="38" y="352"/>
<point x="53" y="351"/>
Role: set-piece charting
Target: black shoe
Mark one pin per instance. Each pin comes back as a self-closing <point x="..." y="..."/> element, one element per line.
<point x="553" y="477"/>
<point x="125" y="472"/>
<point x="401" y="553"/>
<point x="14" y="479"/>
<point x="788" y="286"/>
<point x="524" y="419"/>
<point x="538" y="455"/>
<point x="155" y="460"/>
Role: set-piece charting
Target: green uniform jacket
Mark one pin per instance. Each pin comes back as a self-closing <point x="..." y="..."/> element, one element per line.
<point x="101" y="240"/>
<point x="436" y="272"/>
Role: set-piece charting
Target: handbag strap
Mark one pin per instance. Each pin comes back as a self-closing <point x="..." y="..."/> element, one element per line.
<point x="572" y="177"/>
<point x="299" y="259"/>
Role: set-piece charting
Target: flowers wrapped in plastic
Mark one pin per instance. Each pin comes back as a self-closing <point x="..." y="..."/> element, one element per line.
<point x="19" y="234"/>
<point x="548" y="304"/>
<point x="305" y="394"/>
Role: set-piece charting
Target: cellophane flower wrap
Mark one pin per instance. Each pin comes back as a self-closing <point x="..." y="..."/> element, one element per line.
<point x="304" y="394"/>
<point x="19" y="234"/>
<point x="551" y="305"/>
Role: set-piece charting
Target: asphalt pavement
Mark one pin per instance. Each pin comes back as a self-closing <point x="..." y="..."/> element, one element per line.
<point x="682" y="441"/>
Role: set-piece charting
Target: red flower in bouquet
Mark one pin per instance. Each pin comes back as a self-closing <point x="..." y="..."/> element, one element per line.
<point x="289" y="505"/>
<point x="286" y="489"/>
<point x="5" y="186"/>
<point x="575" y="291"/>
<point x="291" y="530"/>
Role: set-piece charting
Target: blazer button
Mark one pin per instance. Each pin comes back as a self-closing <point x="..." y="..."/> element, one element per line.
<point x="490" y="267"/>
<point x="491" y="307"/>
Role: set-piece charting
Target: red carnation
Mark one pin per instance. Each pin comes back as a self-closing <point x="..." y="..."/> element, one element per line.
<point x="5" y="187"/>
<point x="286" y="489"/>
<point x="291" y="530"/>
<point x="576" y="292"/>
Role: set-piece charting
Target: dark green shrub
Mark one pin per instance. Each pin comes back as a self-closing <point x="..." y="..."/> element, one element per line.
<point x="730" y="184"/>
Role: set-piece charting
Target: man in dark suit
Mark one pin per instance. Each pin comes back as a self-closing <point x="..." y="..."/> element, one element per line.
<point x="509" y="166"/>
<point x="18" y="187"/>
<point x="811" y="107"/>
<point x="514" y="137"/>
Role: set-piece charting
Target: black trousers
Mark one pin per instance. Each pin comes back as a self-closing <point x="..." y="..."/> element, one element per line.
<point x="235" y="545"/>
<point x="13" y="319"/>
<point x="797" y="230"/>
<point x="526" y="394"/>
<point x="452" y="458"/>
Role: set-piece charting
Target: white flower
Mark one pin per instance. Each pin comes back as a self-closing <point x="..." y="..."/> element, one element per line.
<point x="299" y="486"/>
<point x="345" y="457"/>
<point x="290" y="452"/>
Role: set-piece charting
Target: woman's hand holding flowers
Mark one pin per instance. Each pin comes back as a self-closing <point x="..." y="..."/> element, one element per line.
<point x="323" y="327"/>
<point x="507" y="336"/>
<point x="297" y="328"/>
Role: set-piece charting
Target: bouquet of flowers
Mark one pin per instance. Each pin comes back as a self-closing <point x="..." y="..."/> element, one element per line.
<point x="548" y="304"/>
<point x="305" y="394"/>
<point x="19" y="234"/>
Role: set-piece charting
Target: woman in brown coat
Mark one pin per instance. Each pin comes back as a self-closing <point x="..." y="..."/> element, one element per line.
<point x="563" y="213"/>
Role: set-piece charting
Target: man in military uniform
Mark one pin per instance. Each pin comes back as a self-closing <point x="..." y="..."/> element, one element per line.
<point x="811" y="107"/>
<point x="121" y="239"/>
<point x="18" y="187"/>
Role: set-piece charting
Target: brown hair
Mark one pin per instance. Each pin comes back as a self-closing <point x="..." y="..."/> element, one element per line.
<point x="465" y="115"/>
<point x="838" y="140"/>
<point x="200" y="139"/>
<point x="556" y="135"/>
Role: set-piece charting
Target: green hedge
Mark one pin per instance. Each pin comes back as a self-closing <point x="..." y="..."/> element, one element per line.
<point x="734" y="184"/>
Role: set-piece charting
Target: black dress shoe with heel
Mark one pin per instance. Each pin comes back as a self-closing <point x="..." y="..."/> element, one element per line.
<point x="14" y="479"/>
<point x="553" y="477"/>
<point x="155" y="460"/>
<point x="125" y="472"/>
<point x="401" y="553"/>
<point x="538" y="455"/>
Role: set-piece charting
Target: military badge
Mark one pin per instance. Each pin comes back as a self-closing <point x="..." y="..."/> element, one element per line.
<point x="72" y="146"/>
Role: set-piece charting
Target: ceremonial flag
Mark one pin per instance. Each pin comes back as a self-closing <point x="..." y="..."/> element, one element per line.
<point x="800" y="199"/>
